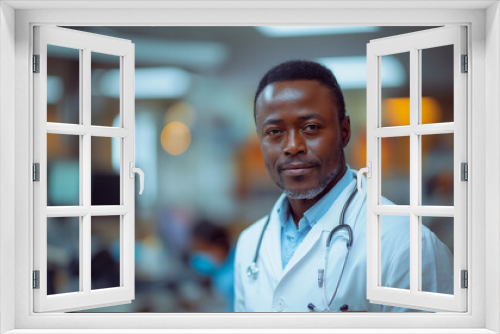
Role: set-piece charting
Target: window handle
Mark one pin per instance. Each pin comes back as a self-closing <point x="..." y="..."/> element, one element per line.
<point x="365" y="170"/>
<point x="133" y="170"/>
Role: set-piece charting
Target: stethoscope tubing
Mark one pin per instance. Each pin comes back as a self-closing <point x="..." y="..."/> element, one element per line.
<point x="253" y="269"/>
<point x="256" y="256"/>
<point x="327" y="305"/>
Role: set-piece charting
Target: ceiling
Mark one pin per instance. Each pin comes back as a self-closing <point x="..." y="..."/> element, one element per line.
<point x="237" y="55"/>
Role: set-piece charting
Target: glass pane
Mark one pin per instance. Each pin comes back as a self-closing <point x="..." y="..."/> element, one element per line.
<point x="63" y="170"/>
<point x="105" y="89"/>
<point x="437" y="169"/>
<point x="63" y="84"/>
<point x="441" y="263"/>
<point x="395" y="89"/>
<point x="395" y="157"/>
<point x="395" y="236"/>
<point x="105" y="232"/>
<point x="437" y="84"/>
<point x="105" y="170"/>
<point x="63" y="255"/>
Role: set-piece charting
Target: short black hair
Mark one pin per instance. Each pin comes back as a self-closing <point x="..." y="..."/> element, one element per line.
<point x="304" y="70"/>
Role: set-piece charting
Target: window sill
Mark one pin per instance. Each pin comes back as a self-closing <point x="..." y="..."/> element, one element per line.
<point x="247" y="331"/>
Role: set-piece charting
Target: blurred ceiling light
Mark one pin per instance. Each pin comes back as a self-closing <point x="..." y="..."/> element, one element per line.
<point x="175" y="138"/>
<point x="431" y="110"/>
<point x="297" y="31"/>
<point x="196" y="55"/>
<point x="182" y="112"/>
<point x="351" y="71"/>
<point x="150" y="83"/>
<point x="54" y="89"/>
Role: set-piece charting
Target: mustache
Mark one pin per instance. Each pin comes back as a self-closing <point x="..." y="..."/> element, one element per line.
<point x="279" y="166"/>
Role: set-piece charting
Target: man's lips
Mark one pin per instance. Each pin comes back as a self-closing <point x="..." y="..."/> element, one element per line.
<point x="297" y="169"/>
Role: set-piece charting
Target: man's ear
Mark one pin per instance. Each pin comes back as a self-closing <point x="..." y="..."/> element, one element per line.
<point x="345" y="130"/>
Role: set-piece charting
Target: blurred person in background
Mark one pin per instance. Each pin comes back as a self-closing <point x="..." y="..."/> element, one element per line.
<point x="212" y="256"/>
<point x="309" y="253"/>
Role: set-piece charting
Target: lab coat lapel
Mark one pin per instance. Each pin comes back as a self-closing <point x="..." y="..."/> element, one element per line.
<point x="312" y="238"/>
<point x="329" y="220"/>
<point x="272" y="243"/>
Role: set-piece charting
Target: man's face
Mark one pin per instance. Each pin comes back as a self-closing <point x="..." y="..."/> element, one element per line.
<point x="300" y="137"/>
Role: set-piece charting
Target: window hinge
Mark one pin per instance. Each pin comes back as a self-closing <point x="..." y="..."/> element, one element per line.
<point x="36" y="172"/>
<point x="464" y="171"/>
<point x="36" y="279"/>
<point x="465" y="64"/>
<point x="465" y="279"/>
<point x="36" y="63"/>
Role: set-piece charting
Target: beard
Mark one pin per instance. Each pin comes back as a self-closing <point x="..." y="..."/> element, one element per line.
<point x="323" y="184"/>
<point x="308" y="193"/>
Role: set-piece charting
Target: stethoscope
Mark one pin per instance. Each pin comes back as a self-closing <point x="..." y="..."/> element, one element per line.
<point x="253" y="269"/>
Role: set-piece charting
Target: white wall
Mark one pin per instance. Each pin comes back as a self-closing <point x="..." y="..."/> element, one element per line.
<point x="7" y="160"/>
<point x="492" y="164"/>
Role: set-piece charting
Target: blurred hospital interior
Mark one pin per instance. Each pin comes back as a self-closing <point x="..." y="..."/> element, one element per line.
<point x="195" y="141"/>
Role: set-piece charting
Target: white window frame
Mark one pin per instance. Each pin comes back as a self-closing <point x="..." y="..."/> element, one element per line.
<point x="413" y="44"/>
<point x="18" y="18"/>
<point x="85" y="44"/>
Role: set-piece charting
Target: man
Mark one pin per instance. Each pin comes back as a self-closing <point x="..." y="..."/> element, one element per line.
<point x="301" y="123"/>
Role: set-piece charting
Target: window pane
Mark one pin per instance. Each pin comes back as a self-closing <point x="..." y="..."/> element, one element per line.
<point x="442" y="227"/>
<point x="63" y="255"/>
<point x="437" y="169"/>
<point x="105" y="252"/>
<point x="105" y="89"/>
<point x="437" y="84"/>
<point x="63" y="84"/>
<point x="395" y="158"/>
<point x="395" y="89"/>
<point x="105" y="158"/>
<point x="63" y="170"/>
<point x="395" y="269"/>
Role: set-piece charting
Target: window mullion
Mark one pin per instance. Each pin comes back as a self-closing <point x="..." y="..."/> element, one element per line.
<point x="85" y="162"/>
<point x="414" y="170"/>
<point x="82" y="192"/>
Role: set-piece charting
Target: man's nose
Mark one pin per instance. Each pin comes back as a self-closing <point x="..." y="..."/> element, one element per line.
<point x="294" y="144"/>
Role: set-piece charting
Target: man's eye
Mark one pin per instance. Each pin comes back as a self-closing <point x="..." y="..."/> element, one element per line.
<point x="312" y="127"/>
<point x="273" y="132"/>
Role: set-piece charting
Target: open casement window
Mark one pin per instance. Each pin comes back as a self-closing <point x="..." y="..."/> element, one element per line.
<point x="418" y="130"/>
<point x="84" y="156"/>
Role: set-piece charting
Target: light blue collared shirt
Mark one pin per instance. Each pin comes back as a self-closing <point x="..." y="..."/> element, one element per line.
<point x="291" y="236"/>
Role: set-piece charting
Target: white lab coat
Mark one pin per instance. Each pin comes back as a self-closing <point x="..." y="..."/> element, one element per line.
<point x="291" y="289"/>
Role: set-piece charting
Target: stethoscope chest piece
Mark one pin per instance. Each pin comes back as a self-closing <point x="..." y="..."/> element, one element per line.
<point x="252" y="270"/>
